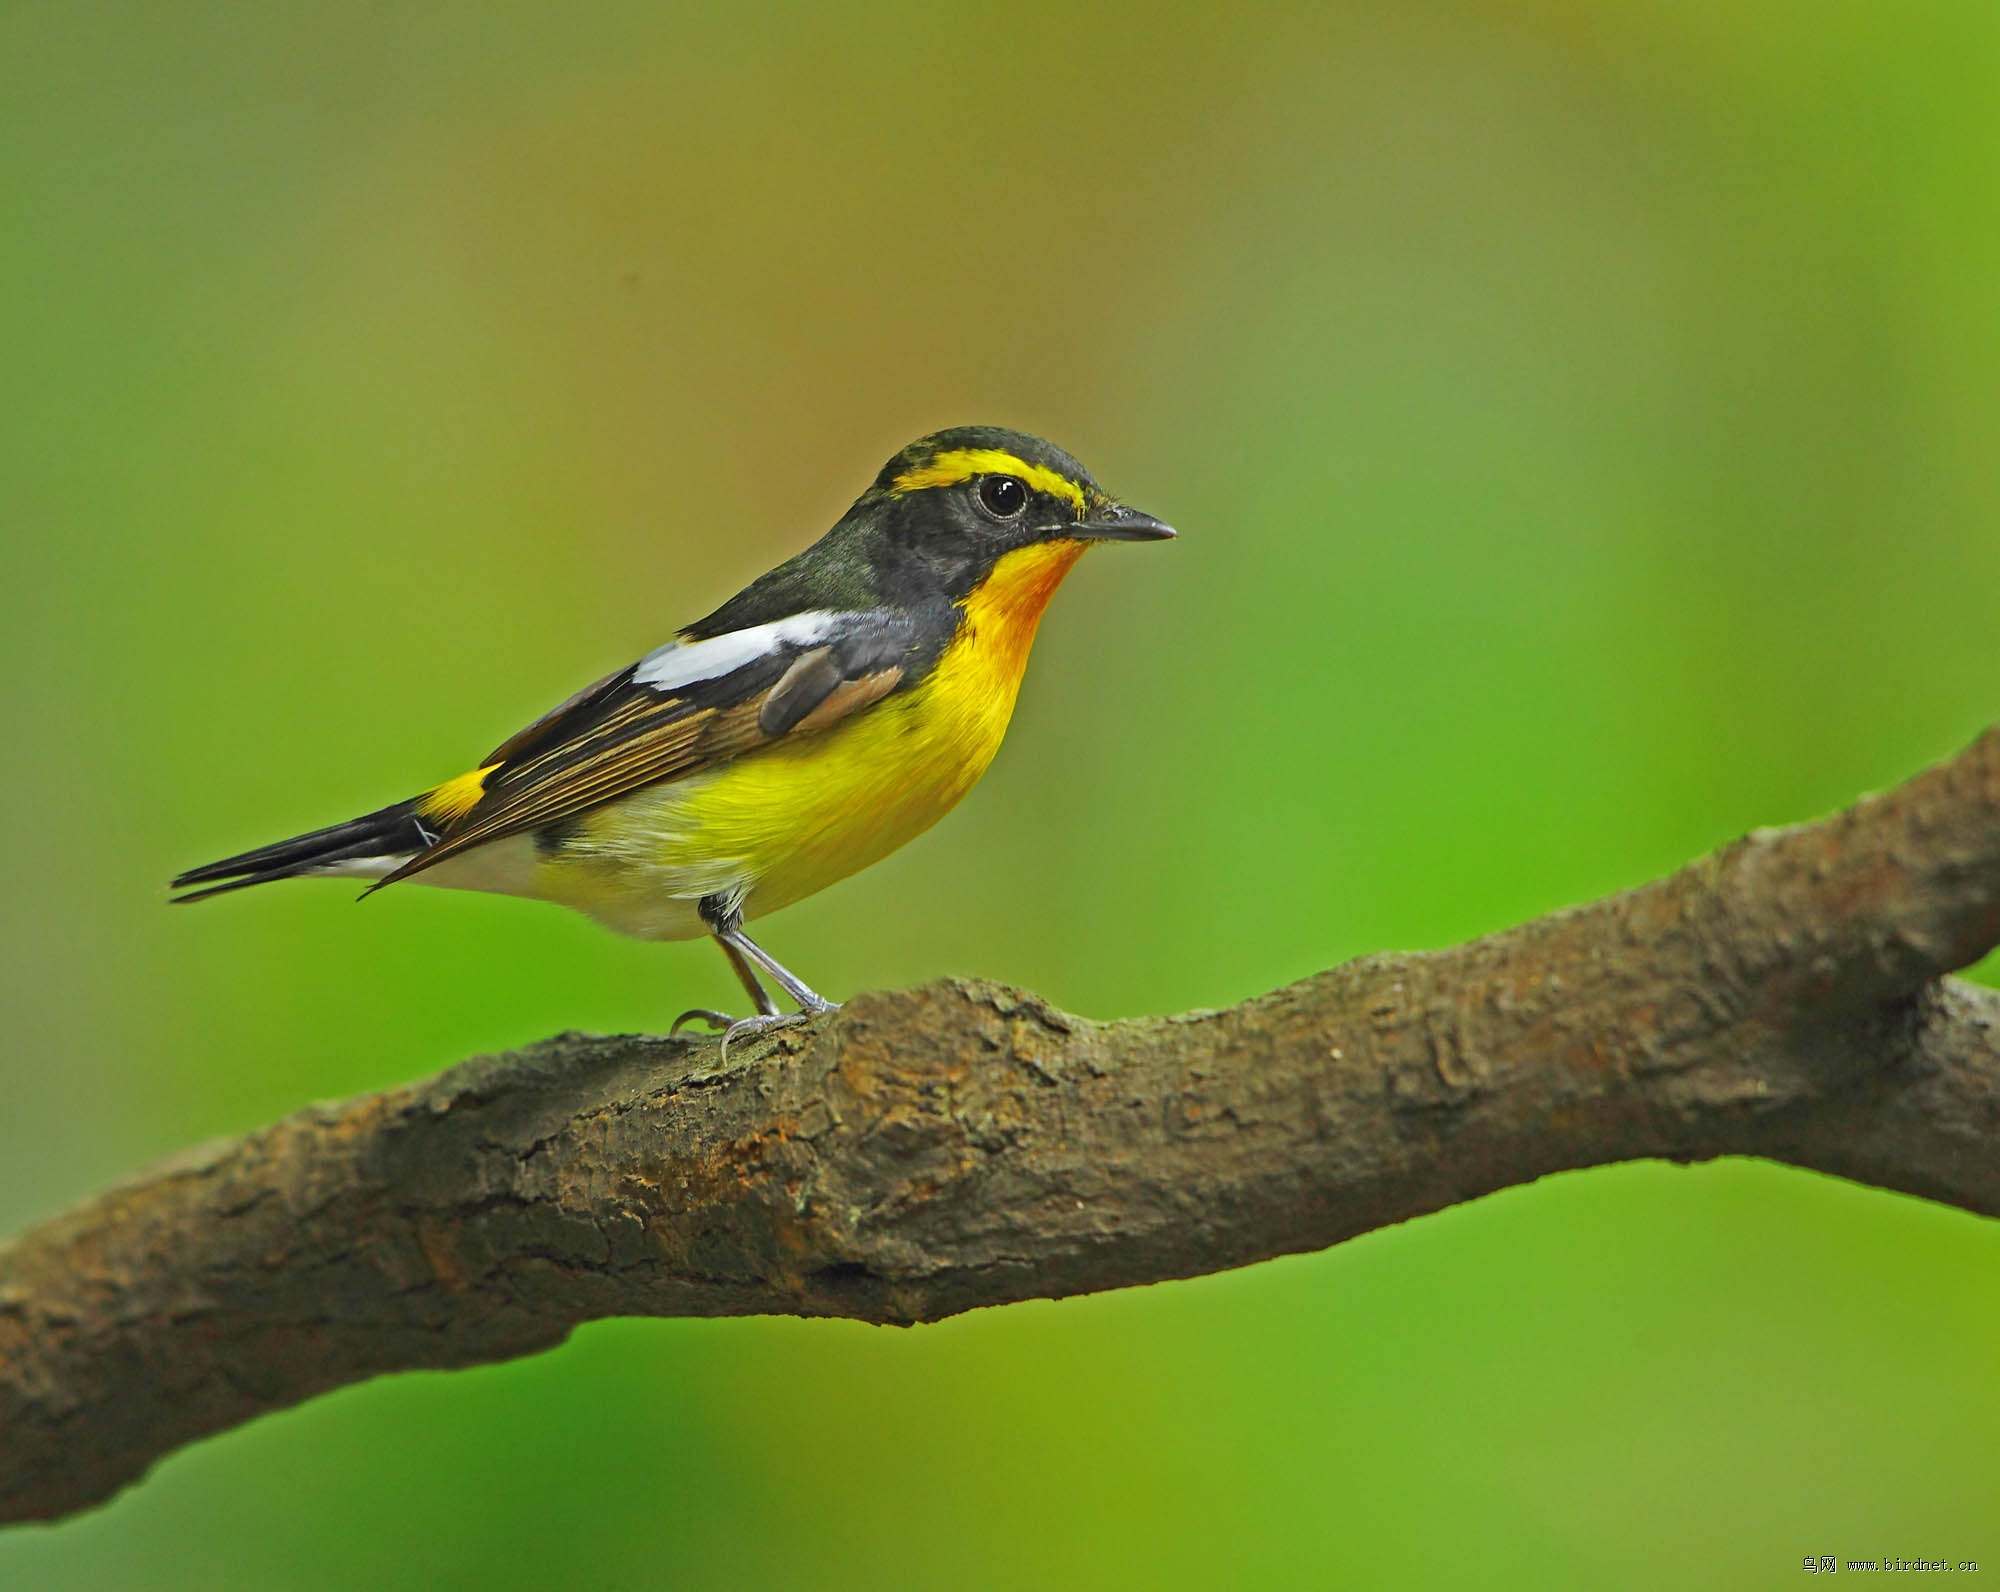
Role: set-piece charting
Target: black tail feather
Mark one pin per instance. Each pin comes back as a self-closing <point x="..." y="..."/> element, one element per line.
<point x="391" y="832"/>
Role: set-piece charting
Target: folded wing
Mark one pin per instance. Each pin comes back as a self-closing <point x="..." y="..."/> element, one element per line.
<point x="685" y="707"/>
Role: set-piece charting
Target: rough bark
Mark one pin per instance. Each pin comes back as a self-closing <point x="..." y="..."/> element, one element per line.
<point x="933" y="1150"/>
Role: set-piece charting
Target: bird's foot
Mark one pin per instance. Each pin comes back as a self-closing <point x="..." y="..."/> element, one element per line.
<point x="700" y="1014"/>
<point x="745" y="1029"/>
<point x="749" y="1027"/>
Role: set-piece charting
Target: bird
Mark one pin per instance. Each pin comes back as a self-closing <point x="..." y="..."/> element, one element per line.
<point x="827" y="714"/>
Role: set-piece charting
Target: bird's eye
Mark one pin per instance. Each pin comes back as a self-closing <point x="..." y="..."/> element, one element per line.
<point x="1003" y="496"/>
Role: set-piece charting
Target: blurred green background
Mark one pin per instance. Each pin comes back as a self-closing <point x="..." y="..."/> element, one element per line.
<point x="1581" y="418"/>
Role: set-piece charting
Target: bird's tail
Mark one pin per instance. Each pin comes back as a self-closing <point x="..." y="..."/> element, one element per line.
<point x="362" y="848"/>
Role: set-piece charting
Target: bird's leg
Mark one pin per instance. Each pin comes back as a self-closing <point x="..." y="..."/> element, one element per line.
<point x="808" y="999"/>
<point x="760" y="997"/>
<point x="724" y="916"/>
<point x="721" y="1021"/>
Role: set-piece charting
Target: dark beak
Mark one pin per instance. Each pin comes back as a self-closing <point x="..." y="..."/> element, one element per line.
<point x="1120" y="524"/>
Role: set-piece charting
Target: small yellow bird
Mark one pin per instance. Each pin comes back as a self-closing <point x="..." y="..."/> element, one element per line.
<point x="828" y="713"/>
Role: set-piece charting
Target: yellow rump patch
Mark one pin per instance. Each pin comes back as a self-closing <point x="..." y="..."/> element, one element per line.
<point x="961" y="464"/>
<point x="456" y="797"/>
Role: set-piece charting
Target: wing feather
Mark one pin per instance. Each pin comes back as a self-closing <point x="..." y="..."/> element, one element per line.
<point x="623" y="733"/>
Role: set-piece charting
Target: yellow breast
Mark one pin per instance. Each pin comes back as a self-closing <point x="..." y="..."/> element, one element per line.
<point x="798" y="816"/>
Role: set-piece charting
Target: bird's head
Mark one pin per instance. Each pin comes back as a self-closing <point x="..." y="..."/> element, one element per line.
<point x="951" y="505"/>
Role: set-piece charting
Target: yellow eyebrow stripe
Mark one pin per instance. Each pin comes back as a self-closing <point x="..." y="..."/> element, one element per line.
<point x="948" y="469"/>
<point x="456" y="797"/>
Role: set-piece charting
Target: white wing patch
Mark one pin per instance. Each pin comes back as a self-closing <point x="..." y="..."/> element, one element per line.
<point x="362" y="867"/>
<point x="681" y="663"/>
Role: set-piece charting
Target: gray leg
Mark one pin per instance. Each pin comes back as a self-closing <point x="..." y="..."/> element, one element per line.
<point x="759" y="996"/>
<point x="801" y="992"/>
<point x="724" y="917"/>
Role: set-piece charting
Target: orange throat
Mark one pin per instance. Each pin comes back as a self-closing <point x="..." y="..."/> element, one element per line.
<point x="1001" y="617"/>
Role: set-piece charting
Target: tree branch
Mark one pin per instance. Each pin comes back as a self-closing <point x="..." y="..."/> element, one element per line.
<point x="933" y="1150"/>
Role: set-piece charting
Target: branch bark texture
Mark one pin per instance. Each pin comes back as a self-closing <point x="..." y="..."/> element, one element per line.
<point x="929" y="1151"/>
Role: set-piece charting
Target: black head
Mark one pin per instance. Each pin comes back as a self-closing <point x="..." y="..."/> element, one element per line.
<point x="938" y="518"/>
<point x="959" y="500"/>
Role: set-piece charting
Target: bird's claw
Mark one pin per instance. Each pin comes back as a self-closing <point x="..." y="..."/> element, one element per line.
<point x="719" y="1021"/>
<point x="749" y="1026"/>
<point x="743" y="1029"/>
